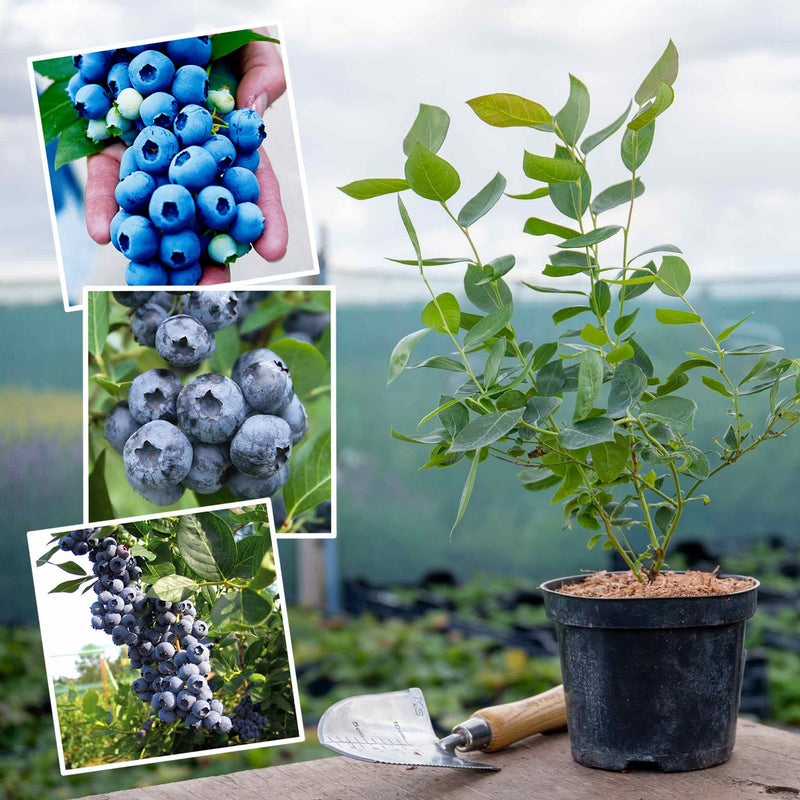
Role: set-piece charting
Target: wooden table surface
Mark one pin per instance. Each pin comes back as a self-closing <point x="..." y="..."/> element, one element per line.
<point x="765" y="764"/>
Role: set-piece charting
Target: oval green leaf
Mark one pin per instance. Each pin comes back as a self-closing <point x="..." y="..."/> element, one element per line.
<point x="430" y="176"/>
<point x="509" y="110"/>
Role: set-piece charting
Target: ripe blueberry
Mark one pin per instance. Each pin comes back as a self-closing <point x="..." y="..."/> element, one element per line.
<point x="157" y="456"/>
<point x="153" y="395"/>
<point x="261" y="446"/>
<point x="182" y="340"/>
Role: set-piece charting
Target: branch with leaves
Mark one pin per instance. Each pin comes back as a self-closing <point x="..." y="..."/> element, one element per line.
<point x="617" y="455"/>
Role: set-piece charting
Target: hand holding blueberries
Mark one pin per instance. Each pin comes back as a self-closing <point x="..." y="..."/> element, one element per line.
<point x="192" y="190"/>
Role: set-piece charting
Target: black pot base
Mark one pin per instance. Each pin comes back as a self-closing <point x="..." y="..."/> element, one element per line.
<point x="673" y="762"/>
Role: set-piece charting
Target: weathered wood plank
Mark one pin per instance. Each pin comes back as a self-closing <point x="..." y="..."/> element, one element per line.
<point x="765" y="764"/>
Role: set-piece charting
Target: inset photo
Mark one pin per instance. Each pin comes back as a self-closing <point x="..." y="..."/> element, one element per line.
<point x="165" y="637"/>
<point x="198" y="398"/>
<point x="173" y="162"/>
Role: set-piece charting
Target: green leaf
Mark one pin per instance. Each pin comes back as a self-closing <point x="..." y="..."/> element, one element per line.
<point x="466" y="492"/>
<point x="493" y="362"/>
<point x="568" y="312"/>
<point x="409" y="226"/>
<point x="665" y="69"/>
<point x="440" y="362"/>
<point x="206" y="545"/>
<point x="659" y="248"/>
<point x="636" y="146"/>
<point x="593" y="335"/>
<point x="422" y="438"/>
<point x="664" y="516"/>
<point x="100" y="507"/>
<point x="542" y="354"/>
<point x="639" y="282"/>
<point x="98" y="321"/>
<point x="542" y="191"/>
<point x="592" y="237"/>
<point x="483" y="202"/>
<point x="537" y="484"/>
<point x="542" y="227"/>
<point x="590" y="380"/>
<point x="587" y="433"/>
<point x="729" y="330"/>
<point x="485" y="430"/>
<point x="590" y="142"/>
<point x="264" y="316"/>
<point x="509" y="110"/>
<point x="715" y="385"/>
<point x="624" y="322"/>
<point x="484" y="296"/>
<point x="696" y="464"/>
<point x="550" y="379"/>
<point x="617" y="195"/>
<point x="57" y="69"/>
<point x="454" y="417"/>
<point x="72" y="568"/>
<point x="373" y="187"/>
<point x="662" y="102"/>
<point x="429" y="262"/>
<point x="754" y="349"/>
<point x="430" y="176"/>
<point x="223" y="44"/>
<point x="498" y="266"/>
<point x="309" y="483"/>
<point x="173" y="588"/>
<point x="402" y="352"/>
<point x="551" y="170"/>
<point x="228" y="343"/>
<point x="539" y="408"/>
<point x="307" y="365"/>
<point x="265" y="571"/>
<point x="640" y="358"/>
<point x="242" y="607"/>
<point x="116" y="390"/>
<point x="572" y="198"/>
<point x="73" y="143"/>
<point x="621" y="353"/>
<point x="571" y="119"/>
<point x="600" y="301"/>
<point x="674" y="276"/>
<point x="627" y="386"/>
<point x="429" y="129"/>
<point x="445" y="317"/>
<point x="674" y="316"/>
<point x="610" y="458"/>
<point x="68" y="587"/>
<point x="55" y="111"/>
<point x="677" y="412"/>
<point x="89" y="701"/>
<point x="491" y="324"/>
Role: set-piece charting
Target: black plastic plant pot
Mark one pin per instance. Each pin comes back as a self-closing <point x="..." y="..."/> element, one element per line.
<point x="651" y="682"/>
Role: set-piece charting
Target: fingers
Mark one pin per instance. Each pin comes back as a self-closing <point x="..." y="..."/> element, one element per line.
<point x="102" y="179"/>
<point x="263" y="79"/>
<point x="271" y="245"/>
<point x="214" y="275"/>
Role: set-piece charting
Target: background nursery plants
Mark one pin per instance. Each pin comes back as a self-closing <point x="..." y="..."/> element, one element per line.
<point x="203" y="398"/>
<point x="582" y="415"/>
<point x="193" y="602"/>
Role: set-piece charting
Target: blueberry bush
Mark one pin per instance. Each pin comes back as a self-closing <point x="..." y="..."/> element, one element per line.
<point x="187" y="191"/>
<point x="194" y="604"/>
<point x="207" y="397"/>
<point x="583" y="414"/>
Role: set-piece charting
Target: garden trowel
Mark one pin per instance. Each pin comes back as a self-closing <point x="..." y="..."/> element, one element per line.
<point x="395" y="728"/>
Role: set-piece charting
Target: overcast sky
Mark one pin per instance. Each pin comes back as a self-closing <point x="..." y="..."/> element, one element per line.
<point x="722" y="179"/>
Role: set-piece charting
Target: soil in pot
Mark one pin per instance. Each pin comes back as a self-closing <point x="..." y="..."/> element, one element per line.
<point x="652" y="675"/>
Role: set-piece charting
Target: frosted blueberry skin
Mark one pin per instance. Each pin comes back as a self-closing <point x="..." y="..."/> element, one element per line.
<point x="211" y="408"/>
<point x="119" y="426"/>
<point x="267" y="386"/>
<point x="157" y="456"/>
<point x="210" y="466"/>
<point x="248" y="487"/>
<point x="250" y="357"/>
<point x="297" y="417"/>
<point x="261" y="446"/>
<point x="153" y="395"/>
<point x="145" y="322"/>
<point x="182" y="341"/>
<point x="214" y="310"/>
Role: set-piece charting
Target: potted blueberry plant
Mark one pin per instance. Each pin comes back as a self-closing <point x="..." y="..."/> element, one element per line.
<point x="651" y="658"/>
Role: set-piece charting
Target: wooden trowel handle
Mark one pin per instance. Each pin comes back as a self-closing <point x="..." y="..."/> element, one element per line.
<point x="511" y="722"/>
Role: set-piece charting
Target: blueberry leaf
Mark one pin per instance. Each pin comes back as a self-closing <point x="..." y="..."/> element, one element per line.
<point x="73" y="143"/>
<point x="222" y="44"/>
<point x="310" y="481"/>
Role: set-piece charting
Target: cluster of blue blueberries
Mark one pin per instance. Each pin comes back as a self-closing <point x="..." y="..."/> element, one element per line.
<point x="214" y="430"/>
<point x="248" y="723"/>
<point x="187" y="191"/>
<point x="173" y="679"/>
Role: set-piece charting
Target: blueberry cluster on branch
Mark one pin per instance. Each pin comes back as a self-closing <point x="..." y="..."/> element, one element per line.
<point x="187" y="192"/>
<point x="167" y="643"/>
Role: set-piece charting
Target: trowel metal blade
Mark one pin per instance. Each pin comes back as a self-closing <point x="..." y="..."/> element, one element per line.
<point x="388" y="728"/>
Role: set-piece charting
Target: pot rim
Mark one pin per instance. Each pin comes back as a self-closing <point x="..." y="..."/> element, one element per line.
<point x="582" y="576"/>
